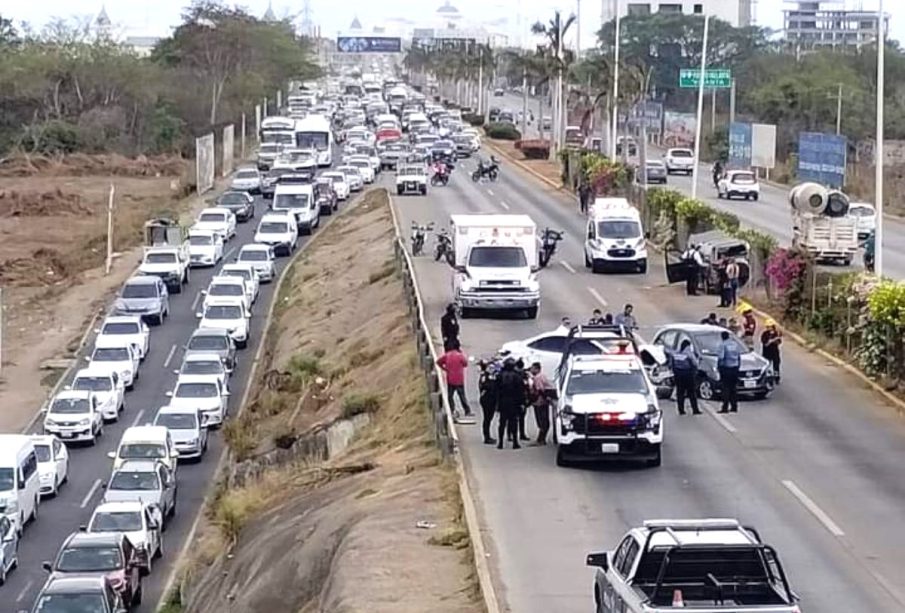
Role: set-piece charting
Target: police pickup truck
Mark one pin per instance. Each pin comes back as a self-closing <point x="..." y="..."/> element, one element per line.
<point x="706" y="565"/>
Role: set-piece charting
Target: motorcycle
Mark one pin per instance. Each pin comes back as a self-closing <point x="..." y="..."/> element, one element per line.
<point x="440" y="175"/>
<point x="549" y="239"/>
<point x="444" y="248"/>
<point x="491" y="171"/>
<point x="419" y="233"/>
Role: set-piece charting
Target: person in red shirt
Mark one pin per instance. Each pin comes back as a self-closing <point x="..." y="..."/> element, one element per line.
<point x="453" y="363"/>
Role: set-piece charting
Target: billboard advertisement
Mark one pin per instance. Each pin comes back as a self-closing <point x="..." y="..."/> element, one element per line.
<point x="650" y="113"/>
<point x="740" y="145"/>
<point x="368" y="44"/>
<point x="678" y="129"/>
<point x="763" y="145"/>
<point x="204" y="163"/>
<point x="821" y="158"/>
<point x="229" y="148"/>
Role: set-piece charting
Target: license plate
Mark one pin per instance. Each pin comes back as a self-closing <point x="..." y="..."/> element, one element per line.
<point x="67" y="434"/>
<point x="750" y="384"/>
<point x="609" y="448"/>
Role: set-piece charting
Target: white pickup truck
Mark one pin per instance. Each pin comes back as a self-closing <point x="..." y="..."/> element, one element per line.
<point x="170" y="263"/>
<point x="496" y="263"/>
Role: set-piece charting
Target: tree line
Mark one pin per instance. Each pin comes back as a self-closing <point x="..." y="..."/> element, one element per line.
<point x="67" y="88"/>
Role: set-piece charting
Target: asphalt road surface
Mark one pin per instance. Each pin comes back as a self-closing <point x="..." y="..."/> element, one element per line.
<point x="89" y="467"/>
<point x="816" y="467"/>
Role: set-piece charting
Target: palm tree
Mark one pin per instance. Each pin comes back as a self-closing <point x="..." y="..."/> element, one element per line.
<point x="559" y="59"/>
<point x="533" y="70"/>
<point x="592" y="77"/>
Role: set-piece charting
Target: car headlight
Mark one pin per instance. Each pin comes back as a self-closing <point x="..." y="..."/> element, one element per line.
<point x="566" y="416"/>
<point x="49" y="422"/>
<point x="652" y="417"/>
<point x="126" y="374"/>
<point x="192" y="442"/>
<point x="12" y="505"/>
<point x="85" y="421"/>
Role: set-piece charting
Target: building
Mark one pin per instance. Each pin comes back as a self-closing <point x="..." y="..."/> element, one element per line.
<point x="810" y="24"/>
<point x="736" y="12"/>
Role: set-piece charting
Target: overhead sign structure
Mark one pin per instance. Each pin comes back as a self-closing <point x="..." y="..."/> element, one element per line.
<point x="821" y="158"/>
<point x="368" y="44"/>
<point x="714" y="78"/>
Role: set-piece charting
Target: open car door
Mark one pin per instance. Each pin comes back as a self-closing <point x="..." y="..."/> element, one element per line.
<point x="677" y="269"/>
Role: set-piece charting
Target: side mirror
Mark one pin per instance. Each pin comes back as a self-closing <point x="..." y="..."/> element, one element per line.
<point x="87" y="358"/>
<point x="103" y="486"/>
<point x="169" y="394"/>
<point x="204" y="292"/>
<point x="67" y="387"/>
<point x="47" y="566"/>
<point x="111" y="455"/>
<point x="175" y="371"/>
<point x="227" y="393"/>
<point x="174" y="454"/>
<point x="599" y="560"/>
<point x="83" y="528"/>
<point x="199" y="315"/>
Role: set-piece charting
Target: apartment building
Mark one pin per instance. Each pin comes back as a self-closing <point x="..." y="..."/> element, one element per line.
<point x="812" y="24"/>
<point x="736" y="12"/>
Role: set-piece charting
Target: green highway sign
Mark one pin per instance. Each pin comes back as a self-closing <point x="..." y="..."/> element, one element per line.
<point x="714" y="78"/>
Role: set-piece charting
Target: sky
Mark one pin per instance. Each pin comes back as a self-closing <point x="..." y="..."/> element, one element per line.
<point x="155" y="17"/>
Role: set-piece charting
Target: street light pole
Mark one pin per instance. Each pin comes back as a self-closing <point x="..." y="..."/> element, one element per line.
<point x="615" y="125"/>
<point x="839" y="111"/>
<point x="697" y="128"/>
<point x="878" y="162"/>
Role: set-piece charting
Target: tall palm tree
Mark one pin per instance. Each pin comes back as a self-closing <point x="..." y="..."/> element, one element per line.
<point x="559" y="59"/>
<point x="532" y="70"/>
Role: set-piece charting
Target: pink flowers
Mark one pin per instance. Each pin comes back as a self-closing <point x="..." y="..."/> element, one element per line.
<point x="785" y="268"/>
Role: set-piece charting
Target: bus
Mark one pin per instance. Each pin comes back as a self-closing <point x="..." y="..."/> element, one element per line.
<point x="315" y="132"/>
<point x="277" y="129"/>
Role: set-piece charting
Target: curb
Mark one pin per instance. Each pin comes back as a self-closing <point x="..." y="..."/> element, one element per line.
<point x="526" y="168"/>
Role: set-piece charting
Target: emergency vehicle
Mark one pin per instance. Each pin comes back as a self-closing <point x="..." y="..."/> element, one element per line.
<point x="615" y="237"/>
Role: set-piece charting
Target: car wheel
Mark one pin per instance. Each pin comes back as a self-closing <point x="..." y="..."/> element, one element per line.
<point x="642" y="266"/>
<point x="561" y="460"/>
<point x="705" y="389"/>
<point x="531" y="313"/>
<point x="587" y="261"/>
<point x="2" y="574"/>
<point x="756" y="197"/>
<point x="656" y="460"/>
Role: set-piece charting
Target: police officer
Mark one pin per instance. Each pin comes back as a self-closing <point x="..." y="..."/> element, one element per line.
<point x="487" y="388"/>
<point x="510" y="400"/>
<point x="729" y="361"/>
<point x="449" y="327"/>
<point x="523" y="410"/>
<point x="684" y="364"/>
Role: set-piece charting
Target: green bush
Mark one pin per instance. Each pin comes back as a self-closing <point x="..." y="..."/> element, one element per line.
<point x="54" y="136"/>
<point x="473" y="119"/>
<point x="502" y="131"/>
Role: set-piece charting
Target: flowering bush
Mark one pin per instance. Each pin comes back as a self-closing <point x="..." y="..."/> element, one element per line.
<point x="887" y="304"/>
<point x="786" y="267"/>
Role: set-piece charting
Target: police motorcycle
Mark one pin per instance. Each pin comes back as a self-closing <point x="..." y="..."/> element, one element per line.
<point x="419" y="233"/>
<point x="491" y="170"/>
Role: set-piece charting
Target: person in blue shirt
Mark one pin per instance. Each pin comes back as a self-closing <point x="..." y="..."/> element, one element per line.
<point x="729" y="361"/>
<point x="684" y="364"/>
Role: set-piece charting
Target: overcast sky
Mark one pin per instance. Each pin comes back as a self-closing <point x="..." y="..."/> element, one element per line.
<point x="154" y="17"/>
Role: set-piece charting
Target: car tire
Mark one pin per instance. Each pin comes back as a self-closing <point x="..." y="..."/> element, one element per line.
<point x="177" y="289"/>
<point x="242" y="344"/>
<point x="136" y="597"/>
<point x="531" y="313"/>
<point x="655" y="461"/>
<point x="642" y="266"/>
<point x="2" y="575"/>
<point x="561" y="460"/>
<point x="705" y="389"/>
<point x="756" y="197"/>
<point x="587" y="261"/>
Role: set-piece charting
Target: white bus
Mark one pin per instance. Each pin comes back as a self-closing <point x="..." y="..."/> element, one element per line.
<point x="278" y="129"/>
<point x="20" y="485"/>
<point x="315" y="132"/>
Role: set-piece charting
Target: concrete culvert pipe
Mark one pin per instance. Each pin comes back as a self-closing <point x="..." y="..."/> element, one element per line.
<point x="837" y="204"/>
<point x="809" y="198"/>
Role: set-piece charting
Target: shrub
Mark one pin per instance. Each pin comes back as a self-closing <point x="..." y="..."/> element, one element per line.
<point x="474" y="119"/>
<point x="502" y="131"/>
<point x="356" y="404"/>
<point x="534" y="149"/>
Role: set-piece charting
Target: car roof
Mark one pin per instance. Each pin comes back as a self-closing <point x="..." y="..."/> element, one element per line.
<point x="143" y="433"/>
<point x="143" y="280"/>
<point x="119" y="506"/>
<point x="171" y="410"/>
<point x="210" y="332"/>
<point x="42" y="439"/>
<point x="201" y="231"/>
<point x="694" y="327"/>
<point x="196" y="379"/>
<point x="93" y="539"/>
<point x="138" y="466"/>
<point x="227" y="280"/>
<point x="121" y="319"/>
<point x="64" y="394"/>
<point x="607" y="362"/>
<point x="124" y="345"/>
<point x="259" y="246"/>
<point x="81" y="583"/>
<point x="202" y="357"/>
<point x="93" y="372"/>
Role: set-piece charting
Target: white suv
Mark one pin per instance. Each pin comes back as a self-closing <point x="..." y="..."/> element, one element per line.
<point x="679" y="160"/>
<point x="74" y="417"/>
<point x="229" y="314"/>
<point x="279" y="231"/>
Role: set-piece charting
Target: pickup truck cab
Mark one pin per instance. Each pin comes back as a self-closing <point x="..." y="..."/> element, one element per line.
<point x="411" y="178"/>
<point x="171" y="264"/>
<point x="141" y="523"/>
<point x="706" y="565"/>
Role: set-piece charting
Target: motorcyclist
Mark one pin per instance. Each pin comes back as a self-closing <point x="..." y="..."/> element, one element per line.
<point x="717" y="172"/>
<point x="869" y="251"/>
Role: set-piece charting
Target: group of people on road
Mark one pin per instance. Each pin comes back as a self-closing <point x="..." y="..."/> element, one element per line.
<point x="728" y="273"/>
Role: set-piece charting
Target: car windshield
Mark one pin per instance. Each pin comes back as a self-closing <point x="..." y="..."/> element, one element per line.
<point x="196" y="390"/>
<point x="360" y="163"/>
<point x="89" y="559"/>
<point x="143" y="290"/>
<point x="312" y="140"/>
<point x="43" y="453"/>
<point x="246" y="174"/>
<point x="233" y="198"/>
<point x="6" y="479"/>
<point x="409" y="171"/>
<point x="336" y="178"/>
<point x="619" y="229"/>
<point x="160" y="258"/>
<point x="223" y="311"/>
<point x="142" y="451"/>
<point x="177" y="421"/>
<point x="255" y="255"/>
<point x="202" y="367"/>
<point x="709" y="342"/>
<point x="299" y="156"/>
<point x="201" y="239"/>
<point x="208" y="342"/>
<point x="129" y="327"/>
<point x="111" y="354"/>
<point x="681" y="153"/>
<point x="116" y="521"/>
<point x="72" y="602"/>
<point x="272" y="227"/>
<point x="70" y="405"/>
<point x="92" y="384"/>
<point x="606" y="382"/>
<point x="861" y="211"/>
<point x="497" y="257"/>
<point x="215" y="217"/>
<point x="226" y="289"/>
<point x="350" y="170"/>
<point x="131" y="481"/>
<point x="291" y="201"/>
<point x="744" y="177"/>
<point x="236" y="272"/>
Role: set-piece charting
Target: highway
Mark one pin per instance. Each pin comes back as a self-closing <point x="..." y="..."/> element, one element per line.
<point x="815" y="468"/>
<point x="90" y="467"/>
<point x="770" y="214"/>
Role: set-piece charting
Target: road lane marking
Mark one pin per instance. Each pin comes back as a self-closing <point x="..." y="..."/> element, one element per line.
<point x="721" y="420"/>
<point x="504" y="205"/>
<point x="490" y="191"/>
<point x="195" y="301"/>
<point x="90" y="494"/>
<point x="138" y="418"/>
<point x="597" y="296"/>
<point x="568" y="267"/>
<point x="166" y="362"/>
<point x="25" y="590"/>
<point x="227" y="254"/>
<point x="811" y="506"/>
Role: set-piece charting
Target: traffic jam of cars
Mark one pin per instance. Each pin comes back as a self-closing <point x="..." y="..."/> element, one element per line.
<point x="102" y="564"/>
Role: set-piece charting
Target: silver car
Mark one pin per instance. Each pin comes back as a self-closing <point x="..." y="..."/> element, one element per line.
<point x="146" y="296"/>
<point x="149" y="481"/>
<point x="246" y="180"/>
<point x="188" y="427"/>
<point x="209" y="341"/>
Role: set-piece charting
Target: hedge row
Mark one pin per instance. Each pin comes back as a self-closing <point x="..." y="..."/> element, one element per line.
<point x="502" y="131"/>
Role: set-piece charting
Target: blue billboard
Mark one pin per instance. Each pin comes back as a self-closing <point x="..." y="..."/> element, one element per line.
<point x="741" y="145"/>
<point x="369" y="44"/>
<point x="821" y="158"/>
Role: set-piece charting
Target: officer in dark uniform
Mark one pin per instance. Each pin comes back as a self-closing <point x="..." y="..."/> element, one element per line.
<point x="510" y="400"/>
<point x="684" y="365"/>
<point x="488" y="390"/>
<point x="449" y="327"/>
<point x="523" y="410"/>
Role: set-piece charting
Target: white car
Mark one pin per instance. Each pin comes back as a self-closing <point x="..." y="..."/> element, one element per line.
<point x="248" y="274"/>
<point x="53" y="463"/>
<point x="220" y="220"/>
<point x="261" y="258"/>
<point x="226" y="287"/>
<point x="246" y="180"/>
<point x="122" y="360"/>
<point x="738" y="184"/>
<point x="866" y="215"/>
<point x="188" y="428"/>
<point x="119" y="330"/>
<point x="353" y="177"/>
<point x="363" y="164"/>
<point x="340" y="185"/>
<point x="279" y="231"/>
<point x="202" y="392"/>
<point x="141" y="523"/>
<point x="205" y="247"/>
<point x="411" y="178"/>
<point x="228" y="314"/>
<point x="299" y="160"/>
<point x="208" y="364"/>
<point x="107" y="387"/>
<point x="679" y="160"/>
<point x="74" y="416"/>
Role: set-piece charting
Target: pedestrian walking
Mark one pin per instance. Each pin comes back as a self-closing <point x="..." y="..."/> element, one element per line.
<point x="626" y="318"/>
<point x="684" y="365"/>
<point x="487" y="389"/>
<point x="770" y="340"/>
<point x="449" y="327"/>
<point x="732" y="273"/>
<point x="729" y="361"/>
<point x="749" y="327"/>
<point x="510" y="398"/>
<point x="585" y="195"/>
<point x="542" y="393"/>
<point x="453" y="363"/>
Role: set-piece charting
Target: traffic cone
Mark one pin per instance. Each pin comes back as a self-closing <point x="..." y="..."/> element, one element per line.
<point x="677" y="600"/>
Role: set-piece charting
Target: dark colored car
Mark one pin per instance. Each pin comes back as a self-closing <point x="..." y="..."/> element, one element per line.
<point x="756" y="376"/>
<point x="656" y="172"/>
<point x="84" y="594"/>
<point x="106" y="555"/>
<point x="325" y="196"/>
<point x="443" y="148"/>
<point x="240" y="203"/>
<point x="493" y="115"/>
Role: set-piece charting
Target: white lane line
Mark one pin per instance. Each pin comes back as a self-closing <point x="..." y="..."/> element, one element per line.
<point x="721" y="420"/>
<point x="195" y="301"/>
<point x="138" y="418"/>
<point x="504" y="205"/>
<point x="25" y="590"/>
<point x="490" y="191"/>
<point x="811" y="506"/>
<point x="567" y="266"/>
<point x="166" y="362"/>
<point x="228" y="253"/>
<point x="597" y="296"/>
<point x="90" y="494"/>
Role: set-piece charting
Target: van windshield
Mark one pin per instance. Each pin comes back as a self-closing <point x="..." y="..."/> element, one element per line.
<point x="619" y="229"/>
<point x="142" y="451"/>
<point x="6" y="479"/>
<point x="497" y="257"/>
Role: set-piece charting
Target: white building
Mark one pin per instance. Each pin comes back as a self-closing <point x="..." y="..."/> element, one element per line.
<point x="812" y="24"/>
<point x="736" y="12"/>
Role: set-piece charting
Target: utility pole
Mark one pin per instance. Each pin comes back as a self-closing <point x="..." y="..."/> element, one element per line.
<point x="732" y="102"/>
<point x="481" y="80"/>
<point x="615" y="126"/>
<point x="839" y="111"/>
<point x="697" y="128"/>
<point x="560" y="115"/>
<point x="878" y="163"/>
<point x="109" y="260"/>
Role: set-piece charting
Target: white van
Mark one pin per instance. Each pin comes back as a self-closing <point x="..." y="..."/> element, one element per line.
<point x="615" y="237"/>
<point x="146" y="443"/>
<point x="298" y="199"/>
<point x="20" y="482"/>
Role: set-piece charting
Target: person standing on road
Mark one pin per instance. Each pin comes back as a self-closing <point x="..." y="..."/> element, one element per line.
<point x="729" y="361"/>
<point x="770" y="340"/>
<point x="684" y="365"/>
<point x="565" y="325"/>
<point x="453" y="363"/>
<point x="626" y="318"/>
<point x="596" y="318"/>
<point x="749" y="327"/>
<point x="487" y="388"/>
<point x="584" y="195"/>
<point x="523" y="409"/>
<point x="449" y="327"/>
<point x="732" y="273"/>
<point x="695" y="266"/>
<point x="542" y="392"/>
<point x="511" y="397"/>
